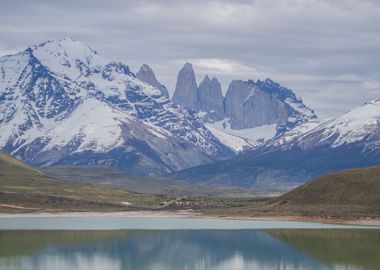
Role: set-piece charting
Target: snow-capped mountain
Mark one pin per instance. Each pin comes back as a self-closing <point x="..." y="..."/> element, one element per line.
<point x="359" y="126"/>
<point x="63" y="103"/>
<point x="307" y="151"/>
<point x="248" y="108"/>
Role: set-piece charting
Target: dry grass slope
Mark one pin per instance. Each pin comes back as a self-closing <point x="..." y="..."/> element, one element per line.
<point x="25" y="189"/>
<point x="353" y="192"/>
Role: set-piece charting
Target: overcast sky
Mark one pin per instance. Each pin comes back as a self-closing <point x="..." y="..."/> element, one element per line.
<point x="328" y="52"/>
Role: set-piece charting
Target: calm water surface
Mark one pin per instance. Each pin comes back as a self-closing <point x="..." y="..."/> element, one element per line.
<point x="175" y="247"/>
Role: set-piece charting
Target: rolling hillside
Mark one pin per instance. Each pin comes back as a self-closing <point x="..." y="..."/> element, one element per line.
<point x="10" y="166"/>
<point x="353" y="192"/>
<point x="25" y="189"/>
<point x="349" y="194"/>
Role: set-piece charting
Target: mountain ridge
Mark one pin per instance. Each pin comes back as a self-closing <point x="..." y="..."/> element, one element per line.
<point x="245" y="106"/>
<point x="61" y="103"/>
<point x="311" y="149"/>
<point x="46" y="84"/>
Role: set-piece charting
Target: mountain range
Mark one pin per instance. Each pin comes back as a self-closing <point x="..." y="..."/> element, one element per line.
<point x="247" y="104"/>
<point x="61" y="103"/>
<point x="294" y="157"/>
<point x="250" y="112"/>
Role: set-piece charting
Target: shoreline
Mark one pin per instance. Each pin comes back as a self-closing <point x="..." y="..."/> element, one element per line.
<point x="369" y="221"/>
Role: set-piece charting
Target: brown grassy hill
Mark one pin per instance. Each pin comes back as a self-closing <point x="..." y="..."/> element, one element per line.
<point x="353" y="192"/>
<point x="12" y="166"/>
<point x="25" y="189"/>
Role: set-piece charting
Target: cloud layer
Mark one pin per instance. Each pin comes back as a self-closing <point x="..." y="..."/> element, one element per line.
<point x="326" y="51"/>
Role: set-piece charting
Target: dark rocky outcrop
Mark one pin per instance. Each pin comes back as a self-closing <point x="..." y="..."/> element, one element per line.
<point x="146" y="74"/>
<point x="247" y="104"/>
<point x="211" y="100"/>
<point x="186" y="90"/>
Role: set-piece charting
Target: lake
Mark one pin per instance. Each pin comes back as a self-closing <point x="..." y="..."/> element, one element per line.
<point x="48" y="243"/>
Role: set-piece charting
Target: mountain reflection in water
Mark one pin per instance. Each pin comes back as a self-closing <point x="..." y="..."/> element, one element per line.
<point x="183" y="249"/>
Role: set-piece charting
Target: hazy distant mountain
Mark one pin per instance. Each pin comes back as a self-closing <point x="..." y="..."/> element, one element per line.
<point x="311" y="149"/>
<point x="62" y="103"/>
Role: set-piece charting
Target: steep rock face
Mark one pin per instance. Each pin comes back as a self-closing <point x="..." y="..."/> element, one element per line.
<point x="146" y="74"/>
<point x="251" y="112"/>
<point x="186" y="90"/>
<point x="211" y="100"/>
<point x="62" y="103"/>
<point x="297" y="111"/>
<point x="247" y="106"/>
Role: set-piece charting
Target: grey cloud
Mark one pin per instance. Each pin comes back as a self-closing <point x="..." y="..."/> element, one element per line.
<point x="326" y="51"/>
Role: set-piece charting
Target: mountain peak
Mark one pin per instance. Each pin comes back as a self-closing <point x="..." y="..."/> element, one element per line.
<point x="146" y="74"/>
<point x="68" y="57"/>
<point x="210" y="102"/>
<point x="206" y="79"/>
<point x="186" y="90"/>
<point x="215" y="80"/>
<point x="66" y="44"/>
<point x="236" y="85"/>
<point x="187" y="67"/>
<point x="146" y="68"/>
<point x="270" y="81"/>
<point x="146" y="71"/>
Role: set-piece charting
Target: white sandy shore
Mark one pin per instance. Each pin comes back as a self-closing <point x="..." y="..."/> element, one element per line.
<point x="161" y="214"/>
<point x="194" y="214"/>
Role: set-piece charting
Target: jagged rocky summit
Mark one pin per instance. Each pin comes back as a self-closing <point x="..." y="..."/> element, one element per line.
<point x="247" y="104"/>
<point x="186" y="89"/>
<point x="250" y="113"/>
